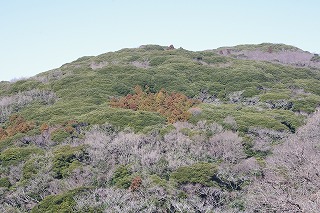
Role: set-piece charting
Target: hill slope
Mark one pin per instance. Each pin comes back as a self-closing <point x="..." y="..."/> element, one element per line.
<point x="163" y="129"/>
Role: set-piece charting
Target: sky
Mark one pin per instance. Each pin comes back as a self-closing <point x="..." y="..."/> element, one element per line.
<point x="37" y="35"/>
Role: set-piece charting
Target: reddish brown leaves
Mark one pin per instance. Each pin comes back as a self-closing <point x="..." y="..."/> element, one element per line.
<point x="17" y="124"/>
<point x="135" y="184"/>
<point x="44" y="127"/>
<point x="174" y="106"/>
<point x="3" y="134"/>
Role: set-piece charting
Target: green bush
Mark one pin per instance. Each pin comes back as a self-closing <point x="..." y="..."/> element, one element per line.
<point x="13" y="156"/>
<point x="246" y="116"/>
<point x="62" y="203"/>
<point x="137" y="120"/>
<point x="59" y="135"/>
<point x="66" y="159"/>
<point x="250" y="92"/>
<point x="121" y="89"/>
<point x="307" y="104"/>
<point x="159" y="181"/>
<point x="156" y="61"/>
<point x="251" y="152"/>
<point x="23" y="85"/>
<point x="4" y="182"/>
<point x="8" y="141"/>
<point x="275" y="96"/>
<point x="29" y="169"/>
<point x="201" y="173"/>
<point x="33" y="165"/>
<point x="122" y="177"/>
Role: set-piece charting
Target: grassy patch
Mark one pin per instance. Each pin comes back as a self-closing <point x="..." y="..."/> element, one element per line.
<point x="15" y="155"/>
<point x="122" y="177"/>
<point x="59" y="135"/>
<point x="4" y="182"/>
<point x="198" y="173"/>
<point x="58" y="203"/>
<point x="249" y="117"/>
<point x="137" y="120"/>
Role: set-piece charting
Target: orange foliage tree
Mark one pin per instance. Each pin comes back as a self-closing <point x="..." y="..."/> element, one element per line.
<point x="135" y="184"/>
<point x="17" y="124"/>
<point x="3" y="133"/>
<point x="174" y="106"/>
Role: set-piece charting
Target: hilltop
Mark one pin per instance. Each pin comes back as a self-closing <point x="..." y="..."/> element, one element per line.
<point x="276" y="53"/>
<point x="159" y="128"/>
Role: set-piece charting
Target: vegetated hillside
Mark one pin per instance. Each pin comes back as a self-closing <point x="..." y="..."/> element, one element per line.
<point x="277" y="53"/>
<point x="159" y="129"/>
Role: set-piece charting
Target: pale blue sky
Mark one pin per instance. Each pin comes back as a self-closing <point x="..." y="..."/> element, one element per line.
<point x="38" y="35"/>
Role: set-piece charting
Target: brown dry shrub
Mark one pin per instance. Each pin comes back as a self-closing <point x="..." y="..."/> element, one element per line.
<point x="174" y="106"/>
<point x="135" y="184"/>
<point x="17" y="124"/>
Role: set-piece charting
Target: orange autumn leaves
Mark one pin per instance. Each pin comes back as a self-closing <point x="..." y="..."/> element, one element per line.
<point x="17" y="124"/>
<point x="174" y="106"/>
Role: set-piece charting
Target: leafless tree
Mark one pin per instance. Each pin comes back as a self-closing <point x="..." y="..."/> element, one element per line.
<point x="291" y="179"/>
<point x="226" y="146"/>
<point x="13" y="103"/>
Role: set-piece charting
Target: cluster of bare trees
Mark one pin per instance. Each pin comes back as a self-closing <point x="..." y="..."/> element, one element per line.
<point x="159" y="154"/>
<point x="287" y="180"/>
<point x="291" y="178"/>
<point x="177" y="148"/>
<point x="292" y="57"/>
<point x="26" y="196"/>
<point x="148" y="155"/>
<point x="119" y="200"/>
<point x="51" y="75"/>
<point x="12" y="104"/>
